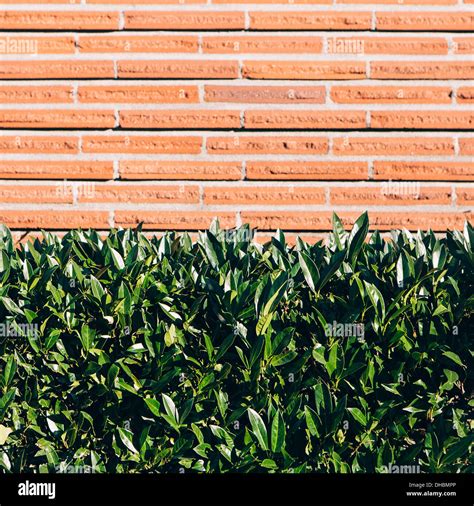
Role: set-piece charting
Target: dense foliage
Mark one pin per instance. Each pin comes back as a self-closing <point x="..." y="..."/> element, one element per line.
<point x="133" y="355"/>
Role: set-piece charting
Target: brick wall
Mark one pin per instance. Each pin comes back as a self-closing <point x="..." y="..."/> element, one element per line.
<point x="172" y="112"/>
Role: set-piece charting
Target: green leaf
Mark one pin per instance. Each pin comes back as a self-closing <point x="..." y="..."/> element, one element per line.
<point x="358" y="415"/>
<point x="258" y="428"/>
<point x="312" y="421"/>
<point x="455" y="358"/>
<point x="310" y="271"/>
<point x="10" y="370"/>
<point x="126" y="437"/>
<point x="278" y="432"/>
<point x="170" y="408"/>
<point x="153" y="406"/>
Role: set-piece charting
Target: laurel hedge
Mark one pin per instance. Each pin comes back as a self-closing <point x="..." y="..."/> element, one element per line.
<point x="133" y="355"/>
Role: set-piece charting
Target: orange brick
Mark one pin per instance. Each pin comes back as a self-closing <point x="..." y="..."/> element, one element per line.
<point x="466" y="146"/>
<point x="36" y="45"/>
<point x="425" y="21"/>
<point x="147" y="2"/>
<point x="387" y="45"/>
<point x="398" y="2"/>
<point x="55" y="170"/>
<point x="310" y="20"/>
<point x="180" y="119"/>
<point x="465" y="196"/>
<point x="390" y="195"/>
<point x="63" y="220"/>
<point x="125" y="193"/>
<point x="303" y="70"/>
<point x="141" y="144"/>
<point x="311" y="120"/>
<point x="34" y="194"/>
<point x="439" y="120"/>
<point x="264" y="195"/>
<point x="306" y="170"/>
<point x="464" y="45"/>
<point x="261" y="44"/>
<point x="185" y="69"/>
<point x="328" y="2"/>
<point x="422" y="70"/>
<point x="56" y="69"/>
<point x="263" y="145"/>
<point x="391" y="94"/>
<point x="138" y="44"/>
<point x="370" y="146"/>
<point x="288" y="220"/>
<point x="48" y="20"/>
<point x="39" y="145"/>
<point x="184" y="20"/>
<point x="137" y="94"/>
<point x="464" y="94"/>
<point x="137" y="169"/>
<point x="42" y="1"/>
<point x="422" y="220"/>
<point x="265" y="94"/>
<point x="424" y="171"/>
<point x="56" y="118"/>
<point x="35" y="94"/>
<point x="176" y="220"/>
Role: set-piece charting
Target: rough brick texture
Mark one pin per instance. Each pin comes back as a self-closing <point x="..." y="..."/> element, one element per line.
<point x="268" y="112"/>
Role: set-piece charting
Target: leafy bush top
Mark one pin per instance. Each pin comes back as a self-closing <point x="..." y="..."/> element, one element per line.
<point x="137" y="355"/>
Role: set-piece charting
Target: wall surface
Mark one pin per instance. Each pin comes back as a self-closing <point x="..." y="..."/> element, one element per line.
<point x="172" y="112"/>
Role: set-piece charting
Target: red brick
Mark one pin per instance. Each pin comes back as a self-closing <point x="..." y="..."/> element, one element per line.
<point x="438" y="120"/>
<point x="263" y="145"/>
<point x="386" y="45"/>
<point x="180" y="119"/>
<point x="424" y="171"/>
<point x="304" y="70"/>
<point x="288" y="220"/>
<point x="56" y="118"/>
<point x="184" y="20"/>
<point x="55" y="170"/>
<point x="147" y="2"/>
<point x="49" y="20"/>
<point x="138" y="44"/>
<point x="261" y="44"/>
<point x="391" y="94"/>
<point x="315" y="2"/>
<point x="306" y="170"/>
<point x="265" y="94"/>
<point x="141" y="144"/>
<point x="264" y="195"/>
<point x="34" y="194"/>
<point x="422" y="70"/>
<point x="398" y="2"/>
<point x="36" y="45"/>
<point x="176" y="220"/>
<point x="311" y="120"/>
<point x="35" y="94"/>
<point x="131" y="193"/>
<point x="185" y="69"/>
<point x="408" y="195"/>
<point x="370" y="146"/>
<point x="27" y="220"/>
<point x="310" y="20"/>
<point x="465" y="196"/>
<point x="466" y="146"/>
<point x="39" y="145"/>
<point x="425" y="21"/>
<point x="464" y="45"/>
<point x="464" y="94"/>
<point x="56" y="69"/>
<point x="149" y="169"/>
<point x="137" y="94"/>
<point x="422" y="220"/>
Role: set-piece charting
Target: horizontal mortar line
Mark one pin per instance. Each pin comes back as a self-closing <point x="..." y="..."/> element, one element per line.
<point x="223" y="8"/>
<point x="238" y="184"/>
<point x="313" y="58"/>
<point x="221" y="133"/>
<point x="146" y="107"/>
<point x="83" y="206"/>
<point x="221" y="33"/>
<point x="237" y="82"/>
